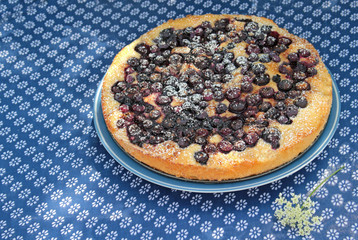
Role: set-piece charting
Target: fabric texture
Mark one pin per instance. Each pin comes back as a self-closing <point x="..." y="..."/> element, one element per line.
<point x="58" y="181"/>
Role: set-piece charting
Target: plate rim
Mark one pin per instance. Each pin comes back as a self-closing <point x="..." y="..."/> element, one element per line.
<point x="201" y="187"/>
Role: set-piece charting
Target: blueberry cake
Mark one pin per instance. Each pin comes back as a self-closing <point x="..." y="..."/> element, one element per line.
<point x="216" y="97"/>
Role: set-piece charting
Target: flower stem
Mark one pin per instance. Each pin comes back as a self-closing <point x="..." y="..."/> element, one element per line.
<point x="324" y="181"/>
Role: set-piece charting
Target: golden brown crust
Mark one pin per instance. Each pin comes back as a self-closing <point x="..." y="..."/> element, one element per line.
<point x="169" y="158"/>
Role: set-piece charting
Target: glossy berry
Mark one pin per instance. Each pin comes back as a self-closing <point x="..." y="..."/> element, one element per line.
<point x="293" y="57"/>
<point x="156" y="87"/>
<point x="311" y="72"/>
<point x="251" y="139"/>
<point x="208" y="95"/>
<point x="283" y="119"/>
<point x="168" y="123"/>
<point x="302" y="86"/>
<point x="119" y="97"/>
<point x="232" y="93"/>
<point x="225" y="146"/>
<point x="246" y="87"/>
<point x="240" y="145"/>
<point x="261" y="123"/>
<point x="163" y="100"/>
<point x="271" y="134"/>
<point x="219" y="96"/>
<point x="210" y="148"/>
<point x="280" y="106"/>
<point x="285" y="85"/>
<point x="272" y="113"/>
<point x="221" y="108"/>
<point x="236" y="124"/>
<point x="262" y="79"/>
<point x="280" y="96"/>
<point x="202" y="132"/>
<point x="291" y="111"/>
<point x="253" y="100"/>
<point x="154" y="114"/>
<point x="157" y="130"/>
<point x="138" y="108"/>
<point x="201" y="157"/>
<point x="253" y="48"/>
<point x="183" y="142"/>
<point x="264" y="58"/>
<point x="120" y="123"/>
<point x="239" y="134"/>
<point x="133" y="62"/>
<point x="276" y="78"/>
<point x="134" y="130"/>
<point x="267" y="92"/>
<point x="304" y="53"/>
<point x="253" y="57"/>
<point x="258" y="68"/>
<point x="301" y="102"/>
<point x="237" y="106"/>
<point x="265" y="106"/>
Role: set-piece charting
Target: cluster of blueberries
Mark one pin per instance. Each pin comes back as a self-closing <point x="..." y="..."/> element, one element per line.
<point x="207" y="48"/>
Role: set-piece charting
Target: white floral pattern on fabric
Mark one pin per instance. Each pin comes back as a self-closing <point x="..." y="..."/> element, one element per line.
<point x="58" y="182"/>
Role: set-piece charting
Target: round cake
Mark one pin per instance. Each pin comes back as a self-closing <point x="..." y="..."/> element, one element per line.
<point x="216" y="97"/>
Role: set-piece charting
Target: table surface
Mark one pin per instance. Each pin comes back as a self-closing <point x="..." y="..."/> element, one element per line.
<point x="58" y="181"/>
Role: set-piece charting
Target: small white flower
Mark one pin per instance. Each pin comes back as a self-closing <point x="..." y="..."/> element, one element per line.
<point x="264" y="198"/>
<point x="344" y="185"/>
<point x="173" y="207"/>
<point x="341" y="221"/>
<point x="265" y="218"/>
<point x="241" y="225"/>
<point x="252" y="192"/>
<point x="337" y="200"/>
<point x="332" y="234"/>
<point x="135" y="229"/>
<point x="217" y="212"/>
<point x="182" y="234"/>
<point x="218" y="233"/>
<point x="170" y="228"/>
<point x="229" y="198"/>
<point x="196" y="199"/>
<point x="183" y="213"/>
<point x="241" y="204"/>
<point x="354" y="228"/>
<point x="160" y="221"/>
<point x="255" y="232"/>
<point x="205" y="226"/>
<point x="206" y="205"/>
<point x="194" y="220"/>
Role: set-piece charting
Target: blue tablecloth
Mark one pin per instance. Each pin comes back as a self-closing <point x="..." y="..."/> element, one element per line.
<point x="58" y="181"/>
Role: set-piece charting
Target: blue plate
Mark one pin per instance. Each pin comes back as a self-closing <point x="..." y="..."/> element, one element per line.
<point x="207" y="187"/>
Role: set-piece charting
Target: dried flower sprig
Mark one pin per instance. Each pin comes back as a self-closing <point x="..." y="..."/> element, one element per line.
<point x="298" y="212"/>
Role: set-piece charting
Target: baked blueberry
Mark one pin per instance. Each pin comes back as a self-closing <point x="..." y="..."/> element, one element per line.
<point x="267" y="92"/>
<point x="163" y="100"/>
<point x="154" y="114"/>
<point x="265" y="106"/>
<point x="237" y="106"/>
<point x="251" y="139"/>
<point x="262" y="79"/>
<point x="232" y="93"/>
<point x="221" y="108"/>
<point x="285" y="85"/>
<point x="184" y="142"/>
<point x="210" y="148"/>
<point x="240" y="145"/>
<point x="225" y="146"/>
<point x="301" y="102"/>
<point x="201" y="157"/>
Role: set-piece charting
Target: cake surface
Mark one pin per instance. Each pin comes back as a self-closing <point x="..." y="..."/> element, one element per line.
<point x="216" y="97"/>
